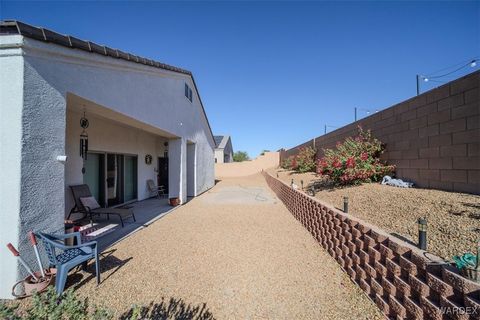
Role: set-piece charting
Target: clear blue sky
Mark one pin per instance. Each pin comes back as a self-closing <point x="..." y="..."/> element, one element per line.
<point x="271" y="74"/>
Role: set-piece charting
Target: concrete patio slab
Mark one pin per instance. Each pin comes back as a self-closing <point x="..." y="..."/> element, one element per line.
<point x="109" y="232"/>
<point x="239" y="194"/>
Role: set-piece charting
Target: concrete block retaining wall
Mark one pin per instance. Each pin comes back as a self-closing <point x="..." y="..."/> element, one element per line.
<point x="403" y="281"/>
<point x="433" y="138"/>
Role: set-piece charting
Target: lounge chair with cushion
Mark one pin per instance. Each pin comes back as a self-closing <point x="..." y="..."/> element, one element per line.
<point x="154" y="190"/>
<point x="86" y="203"/>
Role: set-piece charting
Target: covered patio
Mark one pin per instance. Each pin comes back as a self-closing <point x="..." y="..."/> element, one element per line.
<point x="146" y="123"/>
<point x="108" y="232"/>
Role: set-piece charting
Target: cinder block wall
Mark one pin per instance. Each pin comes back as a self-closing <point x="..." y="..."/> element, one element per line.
<point x="433" y="138"/>
<point x="403" y="281"/>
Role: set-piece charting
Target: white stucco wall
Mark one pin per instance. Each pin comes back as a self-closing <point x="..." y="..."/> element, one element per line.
<point x="150" y="95"/>
<point x="191" y="172"/>
<point x="11" y="101"/>
<point x="219" y="155"/>
<point x="109" y="136"/>
<point x="36" y="181"/>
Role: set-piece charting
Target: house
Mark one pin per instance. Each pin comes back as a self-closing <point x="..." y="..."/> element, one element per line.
<point x="74" y="112"/>
<point x="223" y="149"/>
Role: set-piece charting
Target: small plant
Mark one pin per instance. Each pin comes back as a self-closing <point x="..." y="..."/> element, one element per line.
<point x="305" y="160"/>
<point x="50" y="306"/>
<point x="355" y="160"/>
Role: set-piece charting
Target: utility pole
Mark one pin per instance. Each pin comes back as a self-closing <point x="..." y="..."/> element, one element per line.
<point x="325" y="132"/>
<point x="355" y="113"/>
<point x="418" y="84"/>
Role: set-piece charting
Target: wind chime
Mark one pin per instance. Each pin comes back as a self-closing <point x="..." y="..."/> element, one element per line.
<point x="84" y="140"/>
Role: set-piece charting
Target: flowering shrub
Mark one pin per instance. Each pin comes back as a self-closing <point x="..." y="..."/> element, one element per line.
<point x="355" y="160"/>
<point x="287" y="163"/>
<point x="305" y="160"/>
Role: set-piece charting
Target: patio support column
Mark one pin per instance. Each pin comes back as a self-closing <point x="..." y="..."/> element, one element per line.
<point x="177" y="169"/>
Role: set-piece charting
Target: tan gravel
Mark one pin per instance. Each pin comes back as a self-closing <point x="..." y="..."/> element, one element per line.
<point x="453" y="218"/>
<point x="227" y="260"/>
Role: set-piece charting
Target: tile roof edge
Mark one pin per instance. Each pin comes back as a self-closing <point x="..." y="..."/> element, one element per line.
<point x="7" y="27"/>
<point x="49" y="36"/>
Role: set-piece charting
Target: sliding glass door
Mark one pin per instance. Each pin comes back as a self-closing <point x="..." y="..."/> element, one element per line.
<point x="94" y="176"/>
<point x="112" y="178"/>
<point x="130" y="178"/>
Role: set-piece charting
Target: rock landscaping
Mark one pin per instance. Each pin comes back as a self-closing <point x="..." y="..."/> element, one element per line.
<point x="453" y="218"/>
<point x="225" y="259"/>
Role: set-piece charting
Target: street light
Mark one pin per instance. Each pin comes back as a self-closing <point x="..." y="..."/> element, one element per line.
<point x="419" y="78"/>
<point x="472" y="63"/>
<point x="328" y="126"/>
<point x="368" y="111"/>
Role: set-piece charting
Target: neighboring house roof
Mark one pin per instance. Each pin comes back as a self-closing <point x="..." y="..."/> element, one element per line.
<point x="218" y="140"/>
<point x="221" y="141"/>
<point x="8" y="27"/>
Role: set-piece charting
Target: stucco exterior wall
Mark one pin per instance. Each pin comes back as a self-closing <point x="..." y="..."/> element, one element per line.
<point x="246" y="168"/>
<point x="219" y="155"/>
<point x="228" y="152"/>
<point x="109" y="136"/>
<point x="153" y="97"/>
<point x="191" y="172"/>
<point x="11" y="101"/>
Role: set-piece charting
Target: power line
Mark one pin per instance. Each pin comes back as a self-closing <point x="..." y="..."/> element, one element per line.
<point x="463" y="64"/>
<point x="472" y="64"/>
<point x="459" y="66"/>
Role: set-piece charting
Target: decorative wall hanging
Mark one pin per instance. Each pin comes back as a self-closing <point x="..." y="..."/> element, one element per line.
<point x="84" y="140"/>
<point x="165" y="153"/>
<point x="148" y="159"/>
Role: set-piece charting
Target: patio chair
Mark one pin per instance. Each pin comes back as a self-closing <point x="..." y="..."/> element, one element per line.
<point x="70" y="257"/>
<point x="157" y="191"/>
<point x="86" y="203"/>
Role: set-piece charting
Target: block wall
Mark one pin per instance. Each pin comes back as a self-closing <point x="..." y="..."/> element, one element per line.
<point x="433" y="138"/>
<point x="403" y="281"/>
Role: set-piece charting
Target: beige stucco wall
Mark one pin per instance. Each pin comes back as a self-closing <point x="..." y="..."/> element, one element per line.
<point x="246" y="168"/>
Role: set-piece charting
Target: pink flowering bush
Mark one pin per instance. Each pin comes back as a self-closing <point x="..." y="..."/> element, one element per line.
<point x="355" y="160"/>
<point x="304" y="161"/>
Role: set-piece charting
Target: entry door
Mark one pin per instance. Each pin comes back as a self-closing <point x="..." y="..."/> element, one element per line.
<point x="162" y="176"/>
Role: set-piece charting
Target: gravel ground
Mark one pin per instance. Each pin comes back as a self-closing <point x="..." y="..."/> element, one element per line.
<point x="226" y="260"/>
<point x="453" y="218"/>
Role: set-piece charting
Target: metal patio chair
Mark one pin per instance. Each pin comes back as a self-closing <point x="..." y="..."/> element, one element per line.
<point x="69" y="257"/>
<point x="157" y="191"/>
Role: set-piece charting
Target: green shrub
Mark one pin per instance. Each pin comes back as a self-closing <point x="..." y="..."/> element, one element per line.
<point x="355" y="160"/>
<point x="305" y="160"/>
<point x="50" y="306"/>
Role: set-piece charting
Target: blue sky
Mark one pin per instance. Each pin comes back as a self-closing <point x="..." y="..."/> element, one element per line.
<point x="272" y="74"/>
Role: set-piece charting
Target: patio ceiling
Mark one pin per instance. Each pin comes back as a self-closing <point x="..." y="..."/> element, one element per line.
<point x="78" y="103"/>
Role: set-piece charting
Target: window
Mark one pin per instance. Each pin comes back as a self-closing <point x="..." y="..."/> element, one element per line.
<point x="188" y="92"/>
